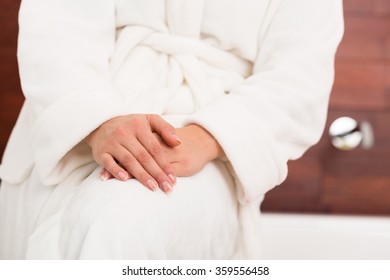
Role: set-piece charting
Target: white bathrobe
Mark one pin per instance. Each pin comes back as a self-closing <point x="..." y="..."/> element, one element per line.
<point x="255" y="73"/>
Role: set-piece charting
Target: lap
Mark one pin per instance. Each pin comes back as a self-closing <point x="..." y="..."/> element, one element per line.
<point x="201" y="212"/>
<point x="212" y="190"/>
<point x="91" y="218"/>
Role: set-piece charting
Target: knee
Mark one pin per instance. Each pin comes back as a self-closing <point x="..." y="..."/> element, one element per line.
<point x="113" y="203"/>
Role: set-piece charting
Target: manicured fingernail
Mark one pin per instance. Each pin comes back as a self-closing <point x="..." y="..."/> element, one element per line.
<point x="152" y="185"/>
<point x="176" y="138"/>
<point x="172" y="178"/>
<point x="122" y="175"/>
<point x="167" y="187"/>
<point x="104" y="175"/>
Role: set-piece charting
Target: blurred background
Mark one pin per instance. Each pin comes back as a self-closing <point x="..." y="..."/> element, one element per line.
<point x="326" y="179"/>
<point x="330" y="180"/>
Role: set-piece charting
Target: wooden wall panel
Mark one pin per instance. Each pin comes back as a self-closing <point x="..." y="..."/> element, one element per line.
<point x="328" y="180"/>
<point x="11" y="97"/>
<point x="297" y="195"/>
<point x="8" y="22"/>
<point x="357" y="194"/>
<point x="358" y="5"/>
<point x="359" y="86"/>
<point x="355" y="167"/>
<point x="9" y="77"/>
<point x="10" y="107"/>
<point x="367" y="7"/>
<point x="387" y="84"/>
<point x="365" y="39"/>
<point x="382" y="7"/>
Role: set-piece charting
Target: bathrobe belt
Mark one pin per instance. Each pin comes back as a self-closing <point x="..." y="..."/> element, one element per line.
<point x="191" y="54"/>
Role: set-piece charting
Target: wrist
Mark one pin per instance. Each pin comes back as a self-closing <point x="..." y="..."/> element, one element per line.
<point x="207" y="141"/>
<point x="88" y="138"/>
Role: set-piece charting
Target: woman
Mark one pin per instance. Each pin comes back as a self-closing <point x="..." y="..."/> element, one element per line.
<point x="152" y="129"/>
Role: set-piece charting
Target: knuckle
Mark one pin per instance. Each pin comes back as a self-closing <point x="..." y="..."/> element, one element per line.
<point x="155" y="150"/>
<point x="110" y="143"/>
<point x="136" y="123"/>
<point x="161" y="177"/>
<point x="166" y="166"/>
<point x="154" y="116"/>
<point x="106" y="161"/>
<point x="169" y="126"/>
<point x="144" y="158"/>
<point x="168" y="129"/>
<point x="127" y="160"/>
<point x="119" y="131"/>
<point x="143" y="176"/>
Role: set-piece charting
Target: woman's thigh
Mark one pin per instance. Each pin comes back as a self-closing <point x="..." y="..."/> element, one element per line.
<point x="114" y="219"/>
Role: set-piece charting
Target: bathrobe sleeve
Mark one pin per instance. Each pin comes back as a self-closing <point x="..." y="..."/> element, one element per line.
<point x="63" y="53"/>
<point x="276" y="114"/>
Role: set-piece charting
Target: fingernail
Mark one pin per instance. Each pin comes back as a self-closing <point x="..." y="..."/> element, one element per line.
<point x="123" y="176"/>
<point x="172" y="178"/>
<point x="104" y="176"/>
<point x="177" y="138"/>
<point x="152" y="185"/>
<point x="167" y="187"/>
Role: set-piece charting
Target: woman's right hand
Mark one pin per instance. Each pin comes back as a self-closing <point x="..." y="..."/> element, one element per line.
<point x="126" y="147"/>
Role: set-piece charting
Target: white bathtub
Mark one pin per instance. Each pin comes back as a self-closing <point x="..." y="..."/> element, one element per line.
<point x="295" y="236"/>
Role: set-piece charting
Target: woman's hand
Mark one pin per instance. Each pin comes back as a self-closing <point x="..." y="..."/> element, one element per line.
<point x="197" y="149"/>
<point x="126" y="147"/>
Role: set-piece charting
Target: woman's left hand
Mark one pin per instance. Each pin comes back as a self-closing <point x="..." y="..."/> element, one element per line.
<point x="197" y="149"/>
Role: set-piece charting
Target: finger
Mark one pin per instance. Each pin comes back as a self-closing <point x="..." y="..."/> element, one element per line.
<point x="164" y="129"/>
<point x="105" y="175"/>
<point x="152" y="145"/>
<point x="112" y="167"/>
<point x="138" y="162"/>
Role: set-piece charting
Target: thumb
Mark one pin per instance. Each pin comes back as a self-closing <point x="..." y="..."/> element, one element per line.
<point x="166" y="131"/>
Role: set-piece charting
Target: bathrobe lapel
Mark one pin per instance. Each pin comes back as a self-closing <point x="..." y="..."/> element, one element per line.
<point x="184" y="17"/>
